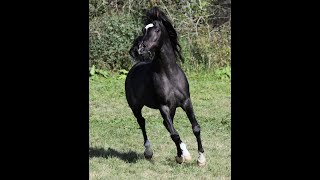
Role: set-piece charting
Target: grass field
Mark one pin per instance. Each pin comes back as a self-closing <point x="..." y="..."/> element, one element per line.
<point x="116" y="142"/>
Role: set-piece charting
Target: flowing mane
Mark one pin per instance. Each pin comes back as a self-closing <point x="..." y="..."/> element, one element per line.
<point x="156" y="14"/>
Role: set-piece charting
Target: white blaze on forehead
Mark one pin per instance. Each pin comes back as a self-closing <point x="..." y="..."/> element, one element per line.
<point x="148" y="26"/>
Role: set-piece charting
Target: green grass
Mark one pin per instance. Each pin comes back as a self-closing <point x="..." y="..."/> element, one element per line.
<point x="116" y="142"/>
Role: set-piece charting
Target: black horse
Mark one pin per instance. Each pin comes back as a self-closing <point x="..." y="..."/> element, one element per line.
<point x="161" y="83"/>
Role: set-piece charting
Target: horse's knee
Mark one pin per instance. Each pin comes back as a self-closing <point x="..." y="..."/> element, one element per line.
<point x="196" y="130"/>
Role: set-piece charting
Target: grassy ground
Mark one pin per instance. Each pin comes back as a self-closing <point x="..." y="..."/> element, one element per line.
<point x="116" y="142"/>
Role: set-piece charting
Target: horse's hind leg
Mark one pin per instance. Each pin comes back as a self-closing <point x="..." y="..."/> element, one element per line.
<point x="185" y="153"/>
<point x="141" y="121"/>
<point x="182" y="152"/>
<point x="172" y="113"/>
<point x="187" y="107"/>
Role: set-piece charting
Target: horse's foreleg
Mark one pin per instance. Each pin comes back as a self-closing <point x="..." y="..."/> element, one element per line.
<point x="187" y="107"/>
<point x="141" y="121"/>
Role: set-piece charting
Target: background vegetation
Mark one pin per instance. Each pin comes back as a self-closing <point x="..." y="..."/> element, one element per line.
<point x="203" y="27"/>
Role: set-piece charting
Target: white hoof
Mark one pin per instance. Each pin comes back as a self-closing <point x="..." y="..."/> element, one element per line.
<point x="185" y="153"/>
<point x="201" y="160"/>
<point x="187" y="158"/>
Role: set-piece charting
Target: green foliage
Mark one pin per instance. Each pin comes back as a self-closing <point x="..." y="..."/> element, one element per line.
<point x="205" y="42"/>
<point x="203" y="27"/>
<point x="224" y="73"/>
<point x="123" y="73"/>
<point x="93" y="72"/>
<point x="110" y="40"/>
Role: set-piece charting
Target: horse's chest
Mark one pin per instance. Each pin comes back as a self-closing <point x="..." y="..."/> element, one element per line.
<point x="167" y="89"/>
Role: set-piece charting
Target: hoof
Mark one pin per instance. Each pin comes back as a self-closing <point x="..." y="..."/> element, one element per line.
<point x="179" y="159"/>
<point x="183" y="159"/>
<point x="201" y="160"/>
<point x="203" y="163"/>
<point x="148" y="153"/>
<point x="147" y="156"/>
<point x="187" y="158"/>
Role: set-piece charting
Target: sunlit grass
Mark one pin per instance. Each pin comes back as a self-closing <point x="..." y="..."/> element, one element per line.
<point x="116" y="142"/>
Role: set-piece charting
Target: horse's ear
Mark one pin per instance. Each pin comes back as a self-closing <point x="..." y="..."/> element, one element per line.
<point x="156" y="24"/>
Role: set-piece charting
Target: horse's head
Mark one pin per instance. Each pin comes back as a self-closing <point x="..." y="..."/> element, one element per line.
<point x="158" y="29"/>
<point x="152" y="38"/>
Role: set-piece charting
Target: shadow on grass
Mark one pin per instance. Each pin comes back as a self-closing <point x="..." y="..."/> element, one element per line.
<point x="129" y="157"/>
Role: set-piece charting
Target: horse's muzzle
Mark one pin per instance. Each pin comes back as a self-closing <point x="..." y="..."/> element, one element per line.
<point x="141" y="49"/>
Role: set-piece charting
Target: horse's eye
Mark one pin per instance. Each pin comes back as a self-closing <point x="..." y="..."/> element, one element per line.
<point x="156" y="30"/>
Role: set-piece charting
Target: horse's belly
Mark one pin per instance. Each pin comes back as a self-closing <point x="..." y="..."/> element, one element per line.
<point x="151" y="105"/>
<point x="149" y="100"/>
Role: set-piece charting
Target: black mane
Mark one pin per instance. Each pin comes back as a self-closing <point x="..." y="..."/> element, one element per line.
<point x="156" y="14"/>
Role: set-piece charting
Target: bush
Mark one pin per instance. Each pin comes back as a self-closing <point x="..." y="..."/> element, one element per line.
<point x="203" y="28"/>
<point x="110" y="40"/>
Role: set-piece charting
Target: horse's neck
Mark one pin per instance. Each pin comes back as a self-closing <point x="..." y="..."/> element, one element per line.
<point x="165" y="59"/>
